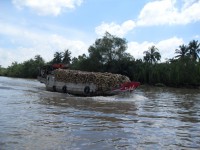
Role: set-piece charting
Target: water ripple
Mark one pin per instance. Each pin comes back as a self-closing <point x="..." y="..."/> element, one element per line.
<point x="150" y="118"/>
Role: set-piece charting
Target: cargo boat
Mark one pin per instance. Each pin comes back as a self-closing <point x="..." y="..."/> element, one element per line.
<point x="59" y="78"/>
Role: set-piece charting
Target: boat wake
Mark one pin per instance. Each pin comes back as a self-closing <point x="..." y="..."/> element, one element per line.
<point x="120" y="98"/>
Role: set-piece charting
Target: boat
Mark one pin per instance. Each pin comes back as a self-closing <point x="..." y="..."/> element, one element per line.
<point x="59" y="78"/>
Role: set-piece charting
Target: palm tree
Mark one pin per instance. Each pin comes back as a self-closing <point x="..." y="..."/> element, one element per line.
<point x="194" y="49"/>
<point x="182" y="52"/>
<point x="57" y="57"/>
<point x="152" y="55"/>
<point x="66" y="57"/>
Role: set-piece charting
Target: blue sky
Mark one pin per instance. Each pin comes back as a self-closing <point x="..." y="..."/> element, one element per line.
<point x="31" y="27"/>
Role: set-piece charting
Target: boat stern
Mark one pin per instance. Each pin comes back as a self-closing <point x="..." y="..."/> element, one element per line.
<point x="125" y="87"/>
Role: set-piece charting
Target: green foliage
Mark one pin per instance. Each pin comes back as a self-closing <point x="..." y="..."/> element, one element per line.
<point x="27" y="69"/>
<point x="57" y="58"/>
<point x="108" y="49"/>
<point x="66" y="57"/>
<point x="175" y="74"/>
<point x="152" y="55"/>
<point x="194" y="49"/>
<point x="61" y="57"/>
<point x="107" y="54"/>
<point x="182" y="52"/>
<point x="2" y="71"/>
<point x="14" y="70"/>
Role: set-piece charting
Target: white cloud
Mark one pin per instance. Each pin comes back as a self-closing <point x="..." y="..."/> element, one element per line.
<point x="47" y="7"/>
<point x="28" y="44"/>
<point x="196" y="37"/>
<point x="161" y="12"/>
<point x="115" y="29"/>
<point x="5" y="57"/>
<point x="166" y="47"/>
<point x="136" y="49"/>
<point x="191" y="13"/>
<point x="188" y="3"/>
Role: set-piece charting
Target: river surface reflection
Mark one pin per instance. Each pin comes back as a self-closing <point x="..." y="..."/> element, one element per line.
<point x="150" y="118"/>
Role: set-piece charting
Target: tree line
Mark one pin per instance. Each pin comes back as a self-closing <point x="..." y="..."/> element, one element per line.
<point x="108" y="54"/>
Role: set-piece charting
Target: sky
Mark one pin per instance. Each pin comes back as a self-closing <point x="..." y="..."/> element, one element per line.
<point x="43" y="27"/>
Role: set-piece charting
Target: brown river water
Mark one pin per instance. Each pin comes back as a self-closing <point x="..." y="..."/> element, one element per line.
<point x="32" y="118"/>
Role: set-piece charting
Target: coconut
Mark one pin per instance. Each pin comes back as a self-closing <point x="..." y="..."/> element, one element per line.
<point x="103" y="81"/>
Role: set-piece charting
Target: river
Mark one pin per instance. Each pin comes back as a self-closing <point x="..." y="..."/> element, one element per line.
<point x="150" y="118"/>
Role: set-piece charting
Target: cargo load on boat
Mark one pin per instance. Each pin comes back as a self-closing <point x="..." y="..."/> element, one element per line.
<point x="103" y="81"/>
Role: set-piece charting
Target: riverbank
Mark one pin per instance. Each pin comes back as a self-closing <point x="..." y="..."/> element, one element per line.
<point x="173" y="86"/>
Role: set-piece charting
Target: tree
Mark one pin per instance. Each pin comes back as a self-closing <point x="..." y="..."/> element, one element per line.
<point x="15" y="70"/>
<point x="2" y="71"/>
<point x="57" y="57"/>
<point x="109" y="47"/>
<point x="107" y="50"/>
<point x="152" y="55"/>
<point x="194" y="49"/>
<point x="182" y="52"/>
<point x="66" y="57"/>
<point x="39" y="61"/>
<point x="38" y="58"/>
<point x="80" y="63"/>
